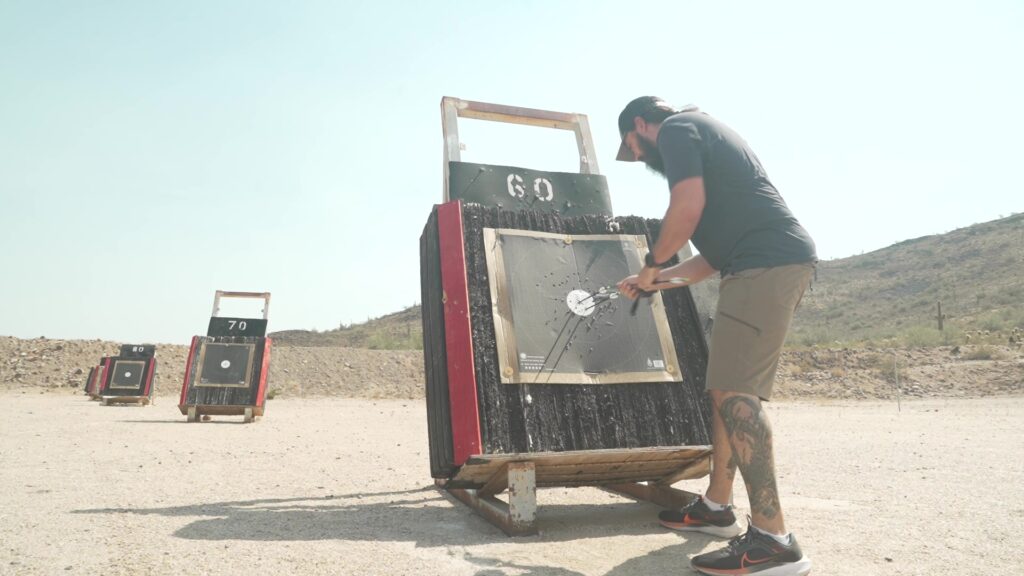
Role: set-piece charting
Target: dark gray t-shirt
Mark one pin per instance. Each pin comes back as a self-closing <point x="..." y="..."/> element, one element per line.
<point x="746" y="223"/>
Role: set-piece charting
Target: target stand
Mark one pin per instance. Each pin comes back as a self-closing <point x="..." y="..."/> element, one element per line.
<point x="226" y="371"/>
<point x="537" y="375"/>
<point x="128" y="377"/>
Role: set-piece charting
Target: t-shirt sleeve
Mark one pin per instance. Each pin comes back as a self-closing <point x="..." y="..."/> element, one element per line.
<point x="680" y="151"/>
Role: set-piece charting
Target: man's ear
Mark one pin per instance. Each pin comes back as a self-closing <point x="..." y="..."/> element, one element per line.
<point x="639" y="124"/>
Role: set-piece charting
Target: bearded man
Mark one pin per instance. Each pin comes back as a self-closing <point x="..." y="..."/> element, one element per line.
<point x="722" y="201"/>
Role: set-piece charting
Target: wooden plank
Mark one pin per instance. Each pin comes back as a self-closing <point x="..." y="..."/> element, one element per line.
<point x="695" y="469"/>
<point x="498" y="482"/>
<point x="668" y="466"/>
<point x="220" y="410"/>
<point x="601" y="466"/>
<point x="515" y="114"/>
<point x="522" y="497"/>
<point x="609" y="455"/>
<point x="660" y="495"/>
<point x="141" y="400"/>
<point x="518" y="523"/>
<point x="585" y="145"/>
<point x="450" y="130"/>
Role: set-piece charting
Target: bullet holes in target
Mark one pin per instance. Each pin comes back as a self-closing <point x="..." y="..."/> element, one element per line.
<point x="543" y="190"/>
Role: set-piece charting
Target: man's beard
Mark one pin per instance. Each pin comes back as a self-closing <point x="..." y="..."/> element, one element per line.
<point x="651" y="156"/>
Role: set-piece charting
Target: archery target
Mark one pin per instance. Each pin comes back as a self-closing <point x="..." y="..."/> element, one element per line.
<point x="127" y="374"/>
<point x="558" y="317"/>
<point x="225" y="365"/>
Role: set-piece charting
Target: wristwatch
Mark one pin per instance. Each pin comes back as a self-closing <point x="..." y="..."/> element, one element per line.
<point x="650" y="263"/>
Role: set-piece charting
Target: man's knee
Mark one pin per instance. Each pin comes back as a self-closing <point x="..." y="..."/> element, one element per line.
<point x="720" y="396"/>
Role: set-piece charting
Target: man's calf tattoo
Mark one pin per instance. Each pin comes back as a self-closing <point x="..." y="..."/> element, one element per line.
<point x="750" y="437"/>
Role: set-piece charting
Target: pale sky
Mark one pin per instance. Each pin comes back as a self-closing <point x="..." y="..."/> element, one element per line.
<point x="153" y="152"/>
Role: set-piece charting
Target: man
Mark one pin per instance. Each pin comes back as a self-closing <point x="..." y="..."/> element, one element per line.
<point x="722" y="201"/>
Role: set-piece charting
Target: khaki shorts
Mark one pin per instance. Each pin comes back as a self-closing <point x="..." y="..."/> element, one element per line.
<point x="755" y="308"/>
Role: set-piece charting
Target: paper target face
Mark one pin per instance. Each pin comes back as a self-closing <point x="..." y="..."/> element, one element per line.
<point x="127" y="374"/>
<point x="225" y="365"/>
<point x="561" y="319"/>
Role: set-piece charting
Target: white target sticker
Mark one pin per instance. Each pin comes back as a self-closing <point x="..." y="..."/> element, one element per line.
<point x="580" y="302"/>
<point x="225" y="364"/>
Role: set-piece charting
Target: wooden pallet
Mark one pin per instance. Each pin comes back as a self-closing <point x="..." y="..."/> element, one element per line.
<point x="195" y="412"/>
<point x="139" y="400"/>
<point x="641" y="473"/>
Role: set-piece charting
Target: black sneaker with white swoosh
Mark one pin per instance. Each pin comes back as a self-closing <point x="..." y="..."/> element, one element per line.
<point x="754" y="553"/>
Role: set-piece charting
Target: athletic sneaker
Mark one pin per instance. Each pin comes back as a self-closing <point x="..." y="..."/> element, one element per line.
<point x="754" y="553"/>
<point x="697" y="517"/>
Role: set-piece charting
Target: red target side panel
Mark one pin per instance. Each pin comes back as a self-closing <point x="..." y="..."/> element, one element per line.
<point x="188" y="372"/>
<point x="465" y="415"/>
<point x="147" y="387"/>
<point x="261" y="392"/>
<point x="108" y="370"/>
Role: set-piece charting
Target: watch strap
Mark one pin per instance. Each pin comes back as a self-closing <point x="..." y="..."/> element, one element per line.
<point x="650" y="263"/>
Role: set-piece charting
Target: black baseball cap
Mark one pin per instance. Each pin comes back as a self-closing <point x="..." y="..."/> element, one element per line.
<point x="636" y="107"/>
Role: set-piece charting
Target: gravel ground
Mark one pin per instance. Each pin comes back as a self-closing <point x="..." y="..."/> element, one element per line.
<point x="341" y="486"/>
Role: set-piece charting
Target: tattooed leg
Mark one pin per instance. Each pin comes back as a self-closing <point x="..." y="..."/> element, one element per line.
<point x="723" y="465"/>
<point x="750" y="436"/>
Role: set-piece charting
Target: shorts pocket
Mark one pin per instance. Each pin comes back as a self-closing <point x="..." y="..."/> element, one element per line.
<point x="756" y="330"/>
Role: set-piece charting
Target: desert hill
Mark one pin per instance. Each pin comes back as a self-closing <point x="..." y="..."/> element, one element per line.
<point x="868" y="325"/>
<point x="889" y="297"/>
<point x="976" y="273"/>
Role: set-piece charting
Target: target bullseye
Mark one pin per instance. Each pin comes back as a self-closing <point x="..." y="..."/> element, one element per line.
<point x="580" y="302"/>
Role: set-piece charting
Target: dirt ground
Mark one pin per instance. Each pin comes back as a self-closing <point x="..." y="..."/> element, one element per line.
<point x="891" y="461"/>
<point x="342" y="486"/>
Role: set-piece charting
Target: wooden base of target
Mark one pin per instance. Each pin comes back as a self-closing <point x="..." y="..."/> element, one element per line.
<point x="248" y="413"/>
<point x="639" y="473"/>
<point x="137" y="400"/>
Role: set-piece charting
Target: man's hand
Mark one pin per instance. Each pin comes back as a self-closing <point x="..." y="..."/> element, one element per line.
<point x="632" y="287"/>
<point x="627" y="287"/>
<point x="646" y="279"/>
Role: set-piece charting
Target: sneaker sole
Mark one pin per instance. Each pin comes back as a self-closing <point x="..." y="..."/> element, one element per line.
<point x="801" y="567"/>
<point x="729" y="531"/>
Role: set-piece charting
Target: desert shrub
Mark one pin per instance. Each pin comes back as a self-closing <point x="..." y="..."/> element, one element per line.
<point x="1005" y="319"/>
<point x="921" y="336"/>
<point x="386" y="341"/>
<point x="985" y="352"/>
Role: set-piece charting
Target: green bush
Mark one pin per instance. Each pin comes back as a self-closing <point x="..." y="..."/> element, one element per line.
<point x="921" y="336"/>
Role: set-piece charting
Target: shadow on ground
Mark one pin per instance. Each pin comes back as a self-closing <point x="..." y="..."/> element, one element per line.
<point x="424" y="515"/>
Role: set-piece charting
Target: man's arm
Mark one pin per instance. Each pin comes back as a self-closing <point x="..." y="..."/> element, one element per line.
<point x="694" y="269"/>
<point x="684" y="210"/>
